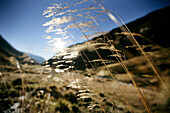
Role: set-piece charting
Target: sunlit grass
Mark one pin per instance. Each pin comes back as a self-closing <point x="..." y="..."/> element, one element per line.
<point x="118" y="23"/>
<point x="111" y="87"/>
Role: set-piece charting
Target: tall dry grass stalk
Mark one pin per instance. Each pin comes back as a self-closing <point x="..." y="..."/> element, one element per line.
<point x="124" y="66"/>
<point x="68" y="22"/>
<point x="108" y="67"/>
<point x="120" y="91"/>
<point x="146" y="57"/>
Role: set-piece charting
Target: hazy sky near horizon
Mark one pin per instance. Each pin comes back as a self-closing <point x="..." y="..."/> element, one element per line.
<point x="21" y="20"/>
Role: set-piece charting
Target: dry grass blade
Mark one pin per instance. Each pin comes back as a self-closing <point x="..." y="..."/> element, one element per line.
<point x="129" y="74"/>
<point x="151" y="64"/>
<point x="105" y="64"/>
<point x="68" y="17"/>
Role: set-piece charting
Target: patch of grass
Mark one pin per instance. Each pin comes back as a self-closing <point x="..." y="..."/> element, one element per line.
<point x="75" y="108"/>
<point x="18" y="81"/>
<point x="5" y="104"/>
<point x="70" y="97"/>
<point x="101" y="95"/>
<point x="39" y="89"/>
<point x="53" y="87"/>
<point x="4" y="94"/>
<point x="62" y="106"/>
<point x="56" y="93"/>
<point x="4" y="86"/>
<point x="162" y="108"/>
<point x="14" y="93"/>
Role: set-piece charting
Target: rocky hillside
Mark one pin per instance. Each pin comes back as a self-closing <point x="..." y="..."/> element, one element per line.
<point x="150" y="31"/>
<point x="9" y="55"/>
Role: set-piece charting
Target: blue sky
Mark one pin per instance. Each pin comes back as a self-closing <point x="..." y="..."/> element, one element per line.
<point x="21" y="20"/>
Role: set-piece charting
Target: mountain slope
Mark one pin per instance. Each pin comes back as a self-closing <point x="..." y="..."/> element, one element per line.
<point x="7" y="53"/>
<point x="7" y="50"/>
<point x="36" y="58"/>
<point x="149" y="31"/>
<point x="153" y="26"/>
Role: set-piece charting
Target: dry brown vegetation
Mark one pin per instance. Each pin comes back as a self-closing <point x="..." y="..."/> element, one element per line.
<point x="93" y="83"/>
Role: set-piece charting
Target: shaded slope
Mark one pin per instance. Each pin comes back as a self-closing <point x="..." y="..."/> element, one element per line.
<point x="7" y="52"/>
<point x="152" y="28"/>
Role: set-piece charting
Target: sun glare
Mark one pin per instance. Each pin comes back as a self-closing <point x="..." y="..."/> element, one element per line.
<point x="57" y="44"/>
